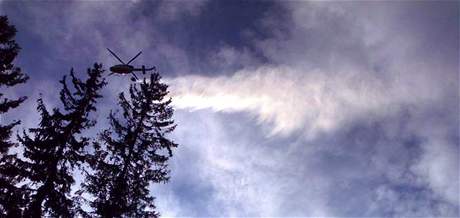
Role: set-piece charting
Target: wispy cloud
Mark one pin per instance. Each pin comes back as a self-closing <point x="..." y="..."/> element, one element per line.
<point x="292" y="99"/>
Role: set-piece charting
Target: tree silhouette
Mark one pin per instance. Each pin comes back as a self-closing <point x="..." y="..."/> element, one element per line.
<point x="11" y="196"/>
<point x="132" y="153"/>
<point x="55" y="147"/>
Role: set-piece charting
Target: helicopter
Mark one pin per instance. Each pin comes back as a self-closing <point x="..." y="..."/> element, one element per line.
<point x="125" y="68"/>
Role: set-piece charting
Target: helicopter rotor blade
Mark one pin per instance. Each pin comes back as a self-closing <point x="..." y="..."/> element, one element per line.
<point x="134" y="75"/>
<point x="134" y="57"/>
<point x="119" y="59"/>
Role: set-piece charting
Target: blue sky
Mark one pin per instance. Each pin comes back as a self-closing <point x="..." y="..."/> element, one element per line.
<point x="284" y="108"/>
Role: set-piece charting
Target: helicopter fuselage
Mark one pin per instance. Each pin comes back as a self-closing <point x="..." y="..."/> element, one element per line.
<point x="125" y="68"/>
<point x="122" y="69"/>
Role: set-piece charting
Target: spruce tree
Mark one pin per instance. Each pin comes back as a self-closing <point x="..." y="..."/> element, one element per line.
<point x="55" y="147"/>
<point x="11" y="196"/>
<point x="133" y="153"/>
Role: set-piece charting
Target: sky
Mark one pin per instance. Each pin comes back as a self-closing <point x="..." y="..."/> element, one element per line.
<point x="284" y="108"/>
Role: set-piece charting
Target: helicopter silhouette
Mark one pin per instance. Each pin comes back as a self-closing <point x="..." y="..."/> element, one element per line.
<point x="125" y="68"/>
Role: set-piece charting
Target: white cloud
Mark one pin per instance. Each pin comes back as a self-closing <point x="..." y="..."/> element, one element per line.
<point x="439" y="168"/>
<point x="246" y="178"/>
<point x="337" y="66"/>
<point x="293" y="99"/>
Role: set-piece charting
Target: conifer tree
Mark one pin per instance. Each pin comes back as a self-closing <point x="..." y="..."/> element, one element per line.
<point x="55" y="147"/>
<point x="11" y="196"/>
<point x="133" y="153"/>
